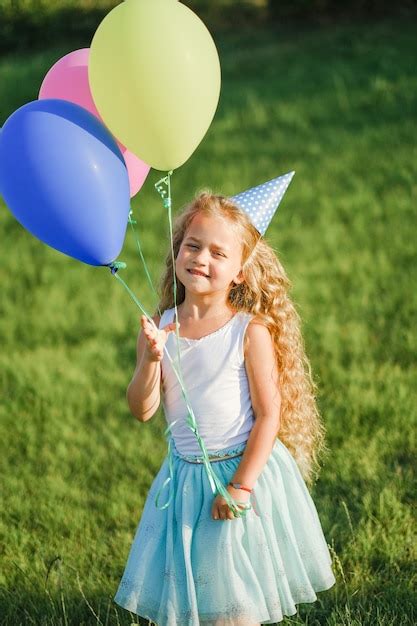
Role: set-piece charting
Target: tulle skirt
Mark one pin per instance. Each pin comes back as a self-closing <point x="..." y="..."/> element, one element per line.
<point x="187" y="569"/>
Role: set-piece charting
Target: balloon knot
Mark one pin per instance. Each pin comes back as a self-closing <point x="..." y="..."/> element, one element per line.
<point x="131" y="220"/>
<point x="116" y="265"/>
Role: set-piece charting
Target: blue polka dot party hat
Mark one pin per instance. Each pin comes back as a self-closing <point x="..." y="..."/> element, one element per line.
<point x="261" y="202"/>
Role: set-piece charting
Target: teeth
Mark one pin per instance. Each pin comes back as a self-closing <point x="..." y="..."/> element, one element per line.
<point x="198" y="273"/>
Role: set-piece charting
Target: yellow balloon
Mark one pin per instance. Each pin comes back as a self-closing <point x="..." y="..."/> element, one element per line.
<point x="154" y="74"/>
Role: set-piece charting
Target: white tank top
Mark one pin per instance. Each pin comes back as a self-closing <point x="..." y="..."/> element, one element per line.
<point x="217" y="386"/>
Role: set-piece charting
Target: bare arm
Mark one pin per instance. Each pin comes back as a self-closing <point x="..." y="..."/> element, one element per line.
<point x="262" y="372"/>
<point x="143" y="393"/>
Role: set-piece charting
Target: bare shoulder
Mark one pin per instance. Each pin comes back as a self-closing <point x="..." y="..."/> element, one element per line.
<point x="262" y="371"/>
<point x="257" y="333"/>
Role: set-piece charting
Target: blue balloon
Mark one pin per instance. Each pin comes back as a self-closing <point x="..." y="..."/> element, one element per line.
<point x="65" y="180"/>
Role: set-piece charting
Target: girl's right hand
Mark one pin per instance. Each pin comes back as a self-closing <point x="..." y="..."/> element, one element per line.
<point x="156" y="338"/>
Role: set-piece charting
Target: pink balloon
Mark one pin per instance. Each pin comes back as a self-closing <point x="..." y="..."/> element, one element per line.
<point x="68" y="80"/>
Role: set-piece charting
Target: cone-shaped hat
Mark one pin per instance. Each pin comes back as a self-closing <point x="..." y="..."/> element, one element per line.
<point x="261" y="202"/>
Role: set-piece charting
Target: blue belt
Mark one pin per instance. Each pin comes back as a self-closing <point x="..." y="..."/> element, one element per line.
<point x="212" y="457"/>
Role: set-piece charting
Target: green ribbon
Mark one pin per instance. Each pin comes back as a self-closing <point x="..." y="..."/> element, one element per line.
<point x="132" y="223"/>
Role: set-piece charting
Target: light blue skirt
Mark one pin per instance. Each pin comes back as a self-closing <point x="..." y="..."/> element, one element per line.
<point x="187" y="569"/>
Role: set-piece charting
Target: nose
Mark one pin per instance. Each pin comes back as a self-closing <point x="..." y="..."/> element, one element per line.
<point x="200" y="257"/>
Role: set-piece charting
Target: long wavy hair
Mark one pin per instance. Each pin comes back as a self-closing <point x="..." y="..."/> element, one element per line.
<point x="263" y="293"/>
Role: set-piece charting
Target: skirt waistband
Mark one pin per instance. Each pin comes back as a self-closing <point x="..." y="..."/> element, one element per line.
<point x="212" y="459"/>
<point x="221" y="455"/>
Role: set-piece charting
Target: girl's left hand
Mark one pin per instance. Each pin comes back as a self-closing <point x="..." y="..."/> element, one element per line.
<point x="220" y="509"/>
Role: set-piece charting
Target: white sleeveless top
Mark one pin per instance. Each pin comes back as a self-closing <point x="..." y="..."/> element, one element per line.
<point x="217" y="386"/>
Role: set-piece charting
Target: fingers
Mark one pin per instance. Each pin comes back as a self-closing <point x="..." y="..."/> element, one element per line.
<point x="222" y="513"/>
<point x="149" y="328"/>
<point x="153" y="337"/>
<point x="230" y="514"/>
<point x="226" y="515"/>
<point x="156" y="337"/>
<point x="170" y="327"/>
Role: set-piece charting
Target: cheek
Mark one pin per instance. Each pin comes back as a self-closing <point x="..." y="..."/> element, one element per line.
<point x="179" y="261"/>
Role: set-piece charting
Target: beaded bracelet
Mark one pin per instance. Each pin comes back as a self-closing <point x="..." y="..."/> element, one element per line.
<point x="239" y="486"/>
<point x="244" y="505"/>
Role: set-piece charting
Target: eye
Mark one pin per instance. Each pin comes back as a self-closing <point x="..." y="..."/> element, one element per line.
<point x="221" y="254"/>
<point x="190" y="245"/>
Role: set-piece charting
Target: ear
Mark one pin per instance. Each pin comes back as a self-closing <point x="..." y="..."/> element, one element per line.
<point x="239" y="278"/>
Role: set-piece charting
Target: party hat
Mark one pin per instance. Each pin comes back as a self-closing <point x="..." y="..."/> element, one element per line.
<point x="261" y="202"/>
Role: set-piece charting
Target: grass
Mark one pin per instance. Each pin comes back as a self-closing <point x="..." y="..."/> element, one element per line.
<point x="337" y="104"/>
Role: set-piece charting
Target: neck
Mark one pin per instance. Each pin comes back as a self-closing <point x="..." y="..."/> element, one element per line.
<point x="203" y="307"/>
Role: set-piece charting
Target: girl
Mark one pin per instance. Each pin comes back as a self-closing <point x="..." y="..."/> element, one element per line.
<point x="196" y="561"/>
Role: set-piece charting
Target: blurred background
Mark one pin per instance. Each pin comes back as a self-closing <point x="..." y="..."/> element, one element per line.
<point x="327" y="89"/>
<point x="27" y="22"/>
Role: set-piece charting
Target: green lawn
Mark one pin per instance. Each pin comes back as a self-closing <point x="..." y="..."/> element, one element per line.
<point x="338" y="105"/>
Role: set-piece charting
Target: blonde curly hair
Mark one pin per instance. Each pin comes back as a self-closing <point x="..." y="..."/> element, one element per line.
<point x="263" y="293"/>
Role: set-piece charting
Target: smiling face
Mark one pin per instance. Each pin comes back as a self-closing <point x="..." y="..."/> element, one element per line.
<point x="210" y="256"/>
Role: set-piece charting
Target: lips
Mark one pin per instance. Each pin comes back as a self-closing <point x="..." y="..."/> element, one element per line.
<point x="197" y="273"/>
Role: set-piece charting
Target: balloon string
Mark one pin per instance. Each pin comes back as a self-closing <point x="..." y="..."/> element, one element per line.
<point x="165" y="193"/>
<point x="132" y="223"/>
